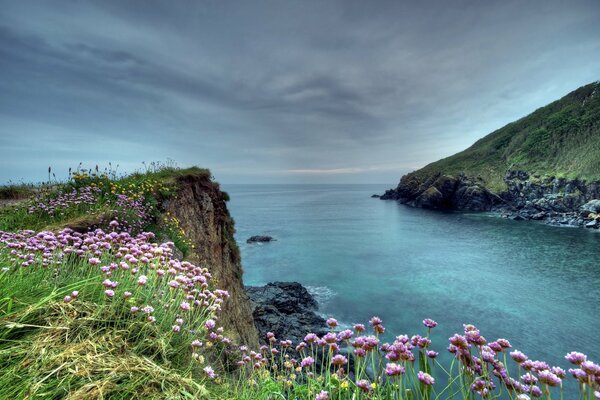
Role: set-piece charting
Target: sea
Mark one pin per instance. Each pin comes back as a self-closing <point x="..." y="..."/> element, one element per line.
<point x="536" y="285"/>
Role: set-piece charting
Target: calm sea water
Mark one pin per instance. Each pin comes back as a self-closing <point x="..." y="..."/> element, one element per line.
<point x="536" y="285"/>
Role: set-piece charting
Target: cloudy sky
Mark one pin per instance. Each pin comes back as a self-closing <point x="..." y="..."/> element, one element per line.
<point x="278" y="91"/>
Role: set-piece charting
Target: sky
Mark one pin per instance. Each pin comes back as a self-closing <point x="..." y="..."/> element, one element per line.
<point x="278" y="91"/>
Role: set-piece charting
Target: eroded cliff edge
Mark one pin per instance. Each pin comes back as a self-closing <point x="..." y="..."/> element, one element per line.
<point x="200" y="207"/>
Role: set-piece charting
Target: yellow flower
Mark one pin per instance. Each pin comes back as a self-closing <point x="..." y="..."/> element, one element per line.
<point x="344" y="385"/>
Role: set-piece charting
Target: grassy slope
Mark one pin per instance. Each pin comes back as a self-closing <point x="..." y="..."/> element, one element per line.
<point x="561" y="139"/>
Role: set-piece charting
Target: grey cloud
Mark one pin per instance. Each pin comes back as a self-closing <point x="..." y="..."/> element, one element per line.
<point x="340" y="86"/>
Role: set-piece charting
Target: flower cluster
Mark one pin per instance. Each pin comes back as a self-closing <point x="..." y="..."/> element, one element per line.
<point x="353" y="363"/>
<point x="130" y="273"/>
<point x="51" y="204"/>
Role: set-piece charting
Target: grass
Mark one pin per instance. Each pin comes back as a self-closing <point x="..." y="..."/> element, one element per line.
<point x="561" y="139"/>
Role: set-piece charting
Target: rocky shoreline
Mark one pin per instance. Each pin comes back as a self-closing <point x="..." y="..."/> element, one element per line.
<point x="556" y="201"/>
<point x="285" y="308"/>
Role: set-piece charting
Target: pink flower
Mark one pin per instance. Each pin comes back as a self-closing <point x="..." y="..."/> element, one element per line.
<point x="425" y="378"/>
<point x="67" y="299"/>
<point x="324" y="395"/>
<point x="332" y="323"/>
<point x="210" y="372"/>
<point x="109" y="293"/>
<point x="307" y="362"/>
<point x="210" y="324"/>
<point x="142" y="280"/>
<point x="429" y="323"/>
<point x="185" y="306"/>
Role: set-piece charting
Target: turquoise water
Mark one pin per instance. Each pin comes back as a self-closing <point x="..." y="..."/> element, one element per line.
<point x="536" y="285"/>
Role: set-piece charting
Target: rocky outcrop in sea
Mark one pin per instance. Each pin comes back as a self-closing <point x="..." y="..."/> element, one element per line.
<point x="285" y="308"/>
<point x="555" y="200"/>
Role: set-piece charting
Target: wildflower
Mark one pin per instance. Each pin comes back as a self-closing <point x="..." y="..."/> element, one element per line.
<point x="74" y="294"/>
<point x="359" y="328"/>
<point x="67" y="299"/>
<point x="332" y="323"/>
<point x="590" y="368"/>
<point x="429" y="323"/>
<point x="176" y="328"/>
<point x="549" y="378"/>
<point x="375" y="321"/>
<point x="127" y="294"/>
<point x="148" y="309"/>
<point x="518" y="356"/>
<point x="576" y="358"/>
<point x="151" y="319"/>
<point x="324" y="395"/>
<point x="311" y="338"/>
<point x="392" y="369"/>
<point x="94" y="261"/>
<point x="345" y="334"/>
<point x="210" y="324"/>
<point x="425" y="378"/>
<point x="307" y="362"/>
<point x="185" y="306"/>
<point x="142" y="280"/>
<point x="196" y="343"/>
<point x="338" y="360"/>
<point x="529" y="379"/>
<point x="364" y="385"/>
<point x="109" y="293"/>
<point x="432" y="354"/>
<point x="134" y="309"/>
<point x="210" y="372"/>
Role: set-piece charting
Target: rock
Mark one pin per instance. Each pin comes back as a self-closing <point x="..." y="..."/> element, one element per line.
<point x="260" y="238"/>
<point x="538" y="216"/>
<point x="515" y="174"/>
<point x="592" y="206"/>
<point x="592" y="224"/>
<point x="287" y="309"/>
<point x="518" y="217"/>
<point x="375" y="196"/>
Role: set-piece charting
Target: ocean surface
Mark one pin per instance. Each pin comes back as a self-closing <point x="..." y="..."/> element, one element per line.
<point x="535" y="285"/>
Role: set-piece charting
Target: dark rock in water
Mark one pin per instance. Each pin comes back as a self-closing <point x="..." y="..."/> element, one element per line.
<point x="375" y="196"/>
<point x="287" y="309"/>
<point x="260" y="238"/>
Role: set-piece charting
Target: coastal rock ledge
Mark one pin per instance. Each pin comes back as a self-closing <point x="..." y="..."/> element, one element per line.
<point x="557" y="201"/>
<point x="285" y="308"/>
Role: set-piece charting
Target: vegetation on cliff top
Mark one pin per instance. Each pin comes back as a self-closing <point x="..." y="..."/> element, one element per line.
<point x="561" y="139"/>
<point x="109" y="312"/>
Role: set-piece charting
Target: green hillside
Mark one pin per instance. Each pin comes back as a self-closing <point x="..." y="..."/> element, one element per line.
<point x="561" y="139"/>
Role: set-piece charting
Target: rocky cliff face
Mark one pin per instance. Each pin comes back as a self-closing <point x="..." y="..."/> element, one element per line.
<point x="200" y="207"/>
<point x="443" y="192"/>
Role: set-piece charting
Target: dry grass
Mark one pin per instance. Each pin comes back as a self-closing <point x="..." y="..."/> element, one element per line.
<point x="67" y="351"/>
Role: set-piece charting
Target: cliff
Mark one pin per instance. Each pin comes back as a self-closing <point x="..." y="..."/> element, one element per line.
<point x="544" y="164"/>
<point x="200" y="207"/>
